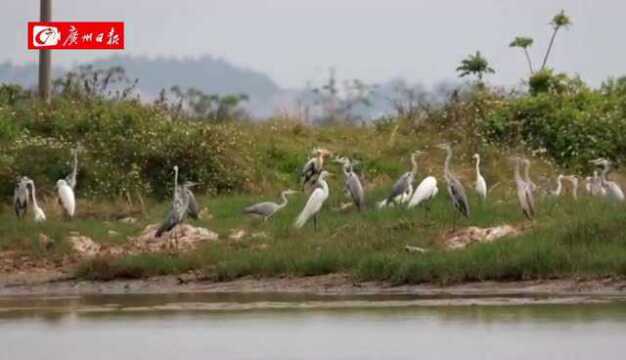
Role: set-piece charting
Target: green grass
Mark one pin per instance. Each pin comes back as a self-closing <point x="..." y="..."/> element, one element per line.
<point x="585" y="238"/>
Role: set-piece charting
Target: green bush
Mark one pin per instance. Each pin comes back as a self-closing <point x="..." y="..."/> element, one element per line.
<point x="125" y="148"/>
<point x="572" y="126"/>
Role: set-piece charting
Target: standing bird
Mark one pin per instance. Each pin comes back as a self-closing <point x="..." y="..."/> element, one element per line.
<point x="67" y="200"/>
<point x="612" y="189"/>
<point x="527" y="179"/>
<point x="38" y="214"/>
<point x="595" y="187"/>
<point x="403" y="187"/>
<point x="314" y="166"/>
<point x="481" y="184"/>
<point x="524" y="192"/>
<point x="315" y="202"/>
<point x="268" y="208"/>
<point x="20" y="197"/>
<point x="180" y="205"/>
<point x="455" y="188"/>
<point x="353" y="184"/>
<point x="559" y="186"/>
<point x="426" y="190"/>
<point x="193" y="210"/>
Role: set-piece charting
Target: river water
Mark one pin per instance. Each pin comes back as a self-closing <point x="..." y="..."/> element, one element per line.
<point x="232" y="326"/>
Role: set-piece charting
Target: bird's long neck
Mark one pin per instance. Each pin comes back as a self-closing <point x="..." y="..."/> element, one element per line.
<point x="413" y="163"/>
<point x="605" y="172"/>
<point x="446" y="165"/>
<point x="175" y="180"/>
<point x="518" y="177"/>
<point x="75" y="163"/>
<point x="477" y="166"/>
<point x="283" y="196"/>
<point x="559" y="184"/>
<point x="527" y="172"/>
<point x="347" y="168"/>
<point x="34" y="195"/>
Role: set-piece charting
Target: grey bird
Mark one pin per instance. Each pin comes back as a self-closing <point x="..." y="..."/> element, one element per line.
<point x="267" y="209"/>
<point x="180" y="205"/>
<point x="21" y="196"/>
<point x="612" y="189"/>
<point x="193" y="210"/>
<point x="403" y="187"/>
<point x="455" y="188"/>
<point x="524" y="191"/>
<point x="353" y="185"/>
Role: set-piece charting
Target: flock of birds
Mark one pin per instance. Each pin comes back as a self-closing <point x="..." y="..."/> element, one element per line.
<point x="314" y="178"/>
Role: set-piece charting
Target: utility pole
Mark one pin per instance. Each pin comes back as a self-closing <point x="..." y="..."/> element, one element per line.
<point x="45" y="56"/>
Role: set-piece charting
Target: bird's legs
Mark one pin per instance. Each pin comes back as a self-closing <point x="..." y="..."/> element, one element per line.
<point x="315" y="221"/>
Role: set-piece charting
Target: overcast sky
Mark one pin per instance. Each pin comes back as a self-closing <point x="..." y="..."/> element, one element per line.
<point x="374" y="40"/>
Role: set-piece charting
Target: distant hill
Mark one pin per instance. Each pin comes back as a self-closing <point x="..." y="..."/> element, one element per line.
<point x="209" y="74"/>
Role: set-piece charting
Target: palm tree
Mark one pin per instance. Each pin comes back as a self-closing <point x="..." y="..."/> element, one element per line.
<point x="524" y="43"/>
<point x="559" y="21"/>
<point x="475" y="64"/>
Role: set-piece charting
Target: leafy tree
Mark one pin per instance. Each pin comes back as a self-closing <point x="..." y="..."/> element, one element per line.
<point x="524" y="43"/>
<point x="559" y="21"/>
<point x="476" y="65"/>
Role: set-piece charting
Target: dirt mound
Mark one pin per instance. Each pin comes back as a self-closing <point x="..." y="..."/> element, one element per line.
<point x="465" y="237"/>
<point x="184" y="237"/>
<point x="84" y="245"/>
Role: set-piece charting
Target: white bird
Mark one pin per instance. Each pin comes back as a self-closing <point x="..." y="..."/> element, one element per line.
<point x="481" y="184"/>
<point x="67" y="199"/>
<point x="559" y="186"/>
<point x="613" y="190"/>
<point x="315" y="202"/>
<point x="71" y="178"/>
<point x="38" y="214"/>
<point x="426" y="190"/>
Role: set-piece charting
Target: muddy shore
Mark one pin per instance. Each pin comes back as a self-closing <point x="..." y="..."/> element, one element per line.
<point x="52" y="284"/>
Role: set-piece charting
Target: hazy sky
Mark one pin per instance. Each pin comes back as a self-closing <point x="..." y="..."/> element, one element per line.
<point x="373" y="40"/>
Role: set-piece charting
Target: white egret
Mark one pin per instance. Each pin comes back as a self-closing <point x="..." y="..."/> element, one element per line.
<point x="314" y="203"/>
<point x="38" y="214"/>
<point x="481" y="184"/>
<point x="67" y="200"/>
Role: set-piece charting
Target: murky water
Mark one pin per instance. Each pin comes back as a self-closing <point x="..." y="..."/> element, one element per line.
<point x="231" y="326"/>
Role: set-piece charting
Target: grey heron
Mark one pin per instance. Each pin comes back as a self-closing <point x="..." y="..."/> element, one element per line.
<point x="403" y="187"/>
<point x="314" y="166"/>
<point x="314" y="203"/>
<point x="193" y="210"/>
<point x="527" y="179"/>
<point x="455" y="188"/>
<point x="267" y="209"/>
<point x="481" y="184"/>
<point x="21" y="198"/>
<point x="595" y="185"/>
<point x="612" y="189"/>
<point x="180" y="205"/>
<point x="38" y="214"/>
<point x="353" y="184"/>
<point x="524" y="192"/>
